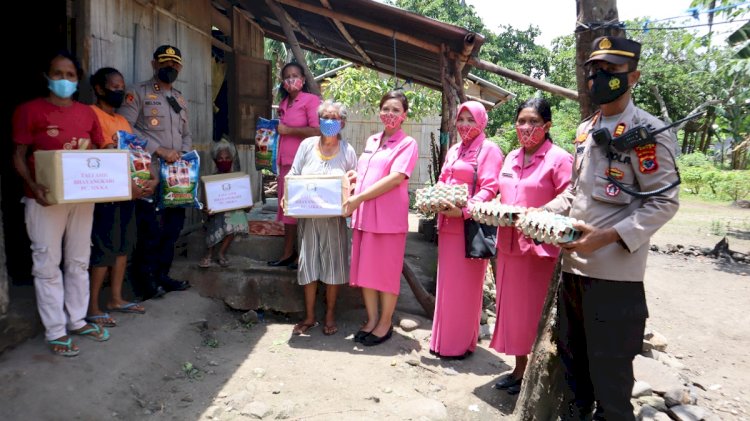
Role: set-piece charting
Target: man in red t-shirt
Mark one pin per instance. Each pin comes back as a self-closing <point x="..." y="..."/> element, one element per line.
<point x="52" y="123"/>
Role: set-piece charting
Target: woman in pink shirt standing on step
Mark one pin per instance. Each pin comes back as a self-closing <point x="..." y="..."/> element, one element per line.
<point x="532" y="175"/>
<point x="380" y="207"/>
<point x="298" y="120"/>
<point x="458" y="301"/>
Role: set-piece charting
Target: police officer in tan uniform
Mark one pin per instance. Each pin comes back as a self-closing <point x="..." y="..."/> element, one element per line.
<point x="158" y="112"/>
<point x="623" y="197"/>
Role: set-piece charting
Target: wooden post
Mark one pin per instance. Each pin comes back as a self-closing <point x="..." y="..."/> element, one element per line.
<point x="294" y="44"/>
<point x="589" y="11"/>
<point x="4" y="297"/>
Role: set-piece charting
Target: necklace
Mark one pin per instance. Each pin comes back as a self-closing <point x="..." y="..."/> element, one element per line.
<point x="323" y="157"/>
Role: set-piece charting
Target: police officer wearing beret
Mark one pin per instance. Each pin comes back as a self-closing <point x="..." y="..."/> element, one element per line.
<point x="624" y="197"/>
<point x="158" y="112"/>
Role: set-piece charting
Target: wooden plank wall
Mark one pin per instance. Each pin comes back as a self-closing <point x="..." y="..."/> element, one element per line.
<point x="124" y="34"/>
<point x="361" y="126"/>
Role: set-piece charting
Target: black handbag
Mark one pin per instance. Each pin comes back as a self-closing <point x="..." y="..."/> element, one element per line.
<point x="480" y="239"/>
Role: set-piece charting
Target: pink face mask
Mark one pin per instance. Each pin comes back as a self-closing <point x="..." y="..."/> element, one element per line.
<point x="468" y="132"/>
<point x="391" y="121"/>
<point x="530" y="136"/>
<point x="293" y="84"/>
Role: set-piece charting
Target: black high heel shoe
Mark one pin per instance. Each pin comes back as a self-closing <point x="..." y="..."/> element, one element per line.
<point x="283" y="262"/>
<point x="371" y="339"/>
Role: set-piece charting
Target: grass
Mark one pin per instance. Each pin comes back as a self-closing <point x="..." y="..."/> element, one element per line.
<point x="704" y="222"/>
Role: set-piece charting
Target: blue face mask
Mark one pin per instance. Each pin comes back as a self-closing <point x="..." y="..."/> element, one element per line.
<point x="330" y="127"/>
<point x="62" y="87"/>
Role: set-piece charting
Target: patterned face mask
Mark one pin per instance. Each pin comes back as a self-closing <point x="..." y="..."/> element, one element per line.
<point x="293" y="84"/>
<point x="468" y="132"/>
<point x="530" y="136"/>
<point x="330" y="127"/>
<point x="392" y="121"/>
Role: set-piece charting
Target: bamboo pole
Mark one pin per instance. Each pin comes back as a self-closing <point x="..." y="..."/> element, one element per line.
<point x="348" y="36"/>
<point x="294" y="44"/>
<point x="526" y="80"/>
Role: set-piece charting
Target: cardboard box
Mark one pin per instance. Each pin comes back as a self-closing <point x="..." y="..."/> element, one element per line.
<point x="84" y="176"/>
<point x="315" y="196"/>
<point x="225" y="192"/>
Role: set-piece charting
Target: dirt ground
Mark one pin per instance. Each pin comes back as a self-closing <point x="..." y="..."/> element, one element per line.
<point x="190" y="358"/>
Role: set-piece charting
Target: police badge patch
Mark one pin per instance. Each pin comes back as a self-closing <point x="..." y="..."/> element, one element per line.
<point x="612" y="190"/>
<point x="647" y="162"/>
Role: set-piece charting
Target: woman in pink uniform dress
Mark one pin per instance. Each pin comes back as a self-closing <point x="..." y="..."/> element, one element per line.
<point x="532" y="175"/>
<point x="380" y="206"/>
<point x="458" y="301"/>
<point x="298" y="120"/>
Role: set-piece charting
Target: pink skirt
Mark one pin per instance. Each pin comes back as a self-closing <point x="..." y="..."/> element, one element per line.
<point x="458" y="300"/>
<point x="283" y="171"/>
<point x="377" y="261"/>
<point x="522" y="283"/>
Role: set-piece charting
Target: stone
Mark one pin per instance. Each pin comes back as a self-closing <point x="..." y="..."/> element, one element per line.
<point x="286" y="410"/>
<point x="660" y="376"/>
<point x="679" y="396"/>
<point x="407" y="324"/>
<point x="688" y="412"/>
<point x="654" y="402"/>
<point x="647" y="347"/>
<point x="424" y="408"/>
<point x="485" y="331"/>
<point x="257" y="410"/>
<point x="259" y="372"/>
<point x="240" y="399"/>
<point x="641" y="388"/>
<point x="214" y="412"/>
<point x="250" y="317"/>
<point x="668" y="360"/>
<point x="657" y="341"/>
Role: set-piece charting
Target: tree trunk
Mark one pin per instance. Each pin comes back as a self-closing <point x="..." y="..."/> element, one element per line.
<point x="543" y="383"/>
<point x="591" y="13"/>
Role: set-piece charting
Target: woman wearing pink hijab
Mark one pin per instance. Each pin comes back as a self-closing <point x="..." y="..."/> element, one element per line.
<point x="532" y="175"/>
<point x="458" y="301"/>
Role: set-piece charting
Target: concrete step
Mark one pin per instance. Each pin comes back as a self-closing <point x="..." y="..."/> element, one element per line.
<point x="249" y="284"/>
<point x="254" y="247"/>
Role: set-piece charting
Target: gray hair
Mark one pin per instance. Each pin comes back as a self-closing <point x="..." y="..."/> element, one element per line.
<point x="338" y="106"/>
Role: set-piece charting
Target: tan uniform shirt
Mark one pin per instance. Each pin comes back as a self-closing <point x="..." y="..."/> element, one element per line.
<point x="593" y="199"/>
<point x="147" y="110"/>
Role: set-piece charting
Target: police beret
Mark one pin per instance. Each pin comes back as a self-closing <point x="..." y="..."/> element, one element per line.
<point x="166" y="53"/>
<point x="615" y="50"/>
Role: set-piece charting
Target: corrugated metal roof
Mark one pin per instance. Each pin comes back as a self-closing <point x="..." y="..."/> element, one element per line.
<point x="397" y="41"/>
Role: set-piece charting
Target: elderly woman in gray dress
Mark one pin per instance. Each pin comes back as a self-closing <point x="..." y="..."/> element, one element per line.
<point x="324" y="242"/>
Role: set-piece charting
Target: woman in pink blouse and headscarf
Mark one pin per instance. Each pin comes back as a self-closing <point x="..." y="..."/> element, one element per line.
<point x="532" y="175"/>
<point x="298" y="120"/>
<point x="458" y="301"/>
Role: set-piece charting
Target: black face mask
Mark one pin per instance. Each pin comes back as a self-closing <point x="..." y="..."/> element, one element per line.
<point x="167" y="74"/>
<point x="607" y="87"/>
<point x="113" y="98"/>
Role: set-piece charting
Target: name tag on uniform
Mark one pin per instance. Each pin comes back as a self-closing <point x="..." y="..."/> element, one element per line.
<point x="507" y="174"/>
<point x="366" y="151"/>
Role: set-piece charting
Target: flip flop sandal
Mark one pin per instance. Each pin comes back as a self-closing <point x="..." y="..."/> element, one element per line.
<point x="302" y="328"/>
<point x="68" y="351"/>
<point x="128" y="308"/>
<point x="205" y="263"/>
<point x="222" y="261"/>
<point x="330" y="330"/>
<point x="96" y="333"/>
<point x="104" y="320"/>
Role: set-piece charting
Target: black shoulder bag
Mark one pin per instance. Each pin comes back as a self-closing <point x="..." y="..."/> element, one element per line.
<point x="480" y="239"/>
